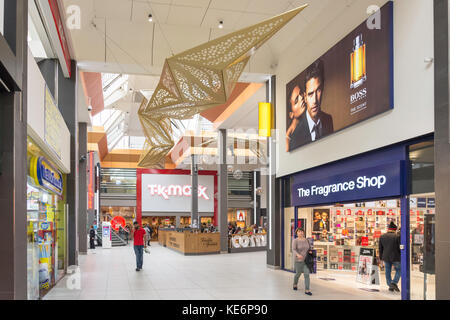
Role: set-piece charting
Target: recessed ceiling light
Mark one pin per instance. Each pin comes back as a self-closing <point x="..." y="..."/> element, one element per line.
<point x="150" y="17"/>
<point x="220" y="24"/>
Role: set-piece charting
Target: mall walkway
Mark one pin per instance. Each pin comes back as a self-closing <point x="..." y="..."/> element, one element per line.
<point x="110" y="274"/>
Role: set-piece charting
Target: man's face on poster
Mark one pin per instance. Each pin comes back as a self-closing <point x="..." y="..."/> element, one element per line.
<point x="313" y="97"/>
<point x="324" y="216"/>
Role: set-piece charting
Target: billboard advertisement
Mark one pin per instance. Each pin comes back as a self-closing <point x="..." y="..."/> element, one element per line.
<point x="351" y="82"/>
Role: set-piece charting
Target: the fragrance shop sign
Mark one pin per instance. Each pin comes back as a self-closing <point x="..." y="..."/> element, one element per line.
<point x="370" y="183"/>
<point x="173" y="193"/>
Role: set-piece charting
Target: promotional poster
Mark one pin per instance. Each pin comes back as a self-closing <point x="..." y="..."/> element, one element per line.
<point x="367" y="272"/>
<point x="321" y="220"/>
<point x="350" y="83"/>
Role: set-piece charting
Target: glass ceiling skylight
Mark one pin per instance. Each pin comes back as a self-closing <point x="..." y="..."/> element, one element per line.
<point x="115" y="87"/>
<point x="115" y="122"/>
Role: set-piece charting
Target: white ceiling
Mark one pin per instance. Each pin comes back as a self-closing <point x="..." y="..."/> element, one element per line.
<point x="133" y="45"/>
<point x="132" y="100"/>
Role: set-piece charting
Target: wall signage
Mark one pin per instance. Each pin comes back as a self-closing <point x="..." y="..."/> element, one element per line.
<point x="167" y="192"/>
<point x="91" y="184"/>
<point x="245" y="241"/>
<point x="421" y="202"/>
<point x="350" y="83"/>
<point x="45" y="175"/>
<point x="240" y="215"/>
<point x="371" y="183"/>
<point x="59" y="25"/>
<point x="117" y="222"/>
<point x="173" y="192"/>
<point x="53" y="124"/>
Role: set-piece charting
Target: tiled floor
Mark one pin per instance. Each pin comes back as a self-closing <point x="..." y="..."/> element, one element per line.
<point x="110" y="274"/>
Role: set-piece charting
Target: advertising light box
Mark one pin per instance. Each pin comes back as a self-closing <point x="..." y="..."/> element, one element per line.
<point x="351" y="82"/>
<point x="172" y="193"/>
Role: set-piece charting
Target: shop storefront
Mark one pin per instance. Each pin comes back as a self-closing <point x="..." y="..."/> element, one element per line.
<point x="163" y="198"/>
<point x="46" y="223"/>
<point x="48" y="165"/>
<point x="346" y="206"/>
<point x="244" y="236"/>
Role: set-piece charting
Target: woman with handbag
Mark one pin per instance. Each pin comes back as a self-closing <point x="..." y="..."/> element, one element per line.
<point x="300" y="247"/>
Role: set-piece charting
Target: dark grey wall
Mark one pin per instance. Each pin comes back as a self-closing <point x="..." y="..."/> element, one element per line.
<point x="13" y="200"/>
<point x="64" y="92"/>
<point x="222" y="182"/>
<point x="257" y="198"/>
<point x="48" y="70"/>
<point x="82" y="188"/>
<point x="13" y="158"/>
<point x="67" y="103"/>
<point x="442" y="148"/>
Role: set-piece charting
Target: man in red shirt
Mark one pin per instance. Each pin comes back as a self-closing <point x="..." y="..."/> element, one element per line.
<point x="139" y="244"/>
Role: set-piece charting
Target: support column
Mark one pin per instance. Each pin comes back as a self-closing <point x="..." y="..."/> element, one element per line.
<point x="91" y="190"/>
<point x="223" y="191"/>
<point x="64" y="91"/>
<point x="13" y="155"/>
<point x="273" y="190"/>
<point x="13" y="200"/>
<point x="82" y="189"/>
<point x="442" y="147"/>
<point x="257" y="198"/>
<point x="405" y="249"/>
<point x="195" y="221"/>
<point x="67" y="95"/>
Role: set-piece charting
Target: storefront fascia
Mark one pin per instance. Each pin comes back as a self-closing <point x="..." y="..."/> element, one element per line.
<point x="139" y="212"/>
<point x="393" y="158"/>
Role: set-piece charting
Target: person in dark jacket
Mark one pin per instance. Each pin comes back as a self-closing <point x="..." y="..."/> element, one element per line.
<point x="390" y="254"/>
<point x="92" y="238"/>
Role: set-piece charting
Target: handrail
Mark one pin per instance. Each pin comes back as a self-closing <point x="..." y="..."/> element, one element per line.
<point x="118" y="236"/>
<point x="120" y="227"/>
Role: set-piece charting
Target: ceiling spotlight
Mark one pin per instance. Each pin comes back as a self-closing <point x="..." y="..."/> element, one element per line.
<point x="150" y="18"/>
<point x="221" y="24"/>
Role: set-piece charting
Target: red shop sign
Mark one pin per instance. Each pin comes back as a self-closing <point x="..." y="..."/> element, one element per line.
<point x="364" y="241"/>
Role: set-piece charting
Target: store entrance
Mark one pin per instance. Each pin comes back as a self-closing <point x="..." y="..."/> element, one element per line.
<point x="422" y="246"/>
<point x="341" y="233"/>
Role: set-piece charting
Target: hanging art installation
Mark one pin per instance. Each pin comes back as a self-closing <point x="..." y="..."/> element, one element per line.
<point x="199" y="79"/>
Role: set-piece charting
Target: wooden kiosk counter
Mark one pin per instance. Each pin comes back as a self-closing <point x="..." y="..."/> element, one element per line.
<point x="189" y="243"/>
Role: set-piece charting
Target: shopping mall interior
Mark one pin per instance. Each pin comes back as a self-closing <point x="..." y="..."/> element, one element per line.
<point x="222" y="128"/>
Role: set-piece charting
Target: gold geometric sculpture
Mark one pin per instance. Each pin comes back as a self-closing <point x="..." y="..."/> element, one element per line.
<point x="198" y="79"/>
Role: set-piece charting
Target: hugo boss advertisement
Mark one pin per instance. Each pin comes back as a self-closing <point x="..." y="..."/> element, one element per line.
<point x="350" y="83"/>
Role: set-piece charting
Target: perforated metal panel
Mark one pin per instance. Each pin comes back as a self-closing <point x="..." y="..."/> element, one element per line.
<point x="198" y="79"/>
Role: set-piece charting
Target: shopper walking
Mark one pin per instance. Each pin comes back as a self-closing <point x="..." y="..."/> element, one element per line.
<point x="92" y="238"/>
<point x="300" y="247"/>
<point x="149" y="232"/>
<point x="139" y="245"/>
<point x="389" y="248"/>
